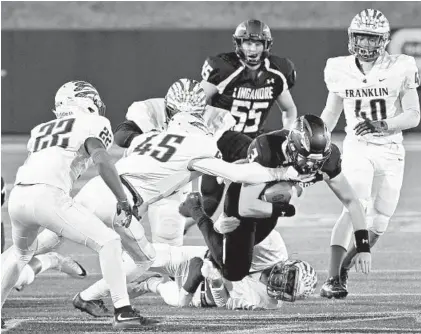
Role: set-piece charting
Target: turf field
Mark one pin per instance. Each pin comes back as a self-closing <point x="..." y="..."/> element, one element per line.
<point x="386" y="301"/>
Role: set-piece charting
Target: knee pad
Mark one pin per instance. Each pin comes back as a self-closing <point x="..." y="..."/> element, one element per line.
<point x="380" y="223"/>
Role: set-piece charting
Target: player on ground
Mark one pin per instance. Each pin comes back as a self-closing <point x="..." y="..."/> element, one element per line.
<point x="59" y="152"/>
<point x="377" y="92"/>
<point x="156" y="165"/>
<point x="267" y="284"/>
<point x="247" y="82"/>
<point x="153" y="115"/>
<point x="308" y="149"/>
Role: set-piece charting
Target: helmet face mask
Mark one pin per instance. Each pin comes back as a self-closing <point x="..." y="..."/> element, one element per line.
<point x="252" y="31"/>
<point x="368" y="35"/>
<point x="308" y="144"/>
<point x="290" y="280"/>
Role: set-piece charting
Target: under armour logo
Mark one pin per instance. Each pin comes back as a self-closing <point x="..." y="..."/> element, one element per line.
<point x="270" y="81"/>
<point x="365" y="241"/>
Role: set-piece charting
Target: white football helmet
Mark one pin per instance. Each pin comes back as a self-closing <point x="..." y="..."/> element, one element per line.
<point x="368" y="35"/>
<point x="188" y="122"/>
<point x="185" y="95"/>
<point x="291" y="279"/>
<point x="77" y="96"/>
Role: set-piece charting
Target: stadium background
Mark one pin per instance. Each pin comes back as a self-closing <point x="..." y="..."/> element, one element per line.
<point x="134" y="50"/>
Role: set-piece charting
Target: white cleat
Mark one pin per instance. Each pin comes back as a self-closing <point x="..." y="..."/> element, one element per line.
<point x="69" y="266"/>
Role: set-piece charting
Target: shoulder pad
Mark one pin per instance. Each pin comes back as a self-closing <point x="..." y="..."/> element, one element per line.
<point x="217" y="69"/>
<point x="409" y="67"/>
<point x="286" y="67"/>
<point x="264" y="148"/>
<point x="332" y="73"/>
<point x="148" y="115"/>
<point x="333" y="166"/>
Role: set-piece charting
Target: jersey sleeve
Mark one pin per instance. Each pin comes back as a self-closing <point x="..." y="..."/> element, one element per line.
<point x="412" y="76"/>
<point x="140" y="114"/>
<point x="287" y="68"/>
<point x="333" y="166"/>
<point x="215" y="70"/>
<point x="100" y="128"/>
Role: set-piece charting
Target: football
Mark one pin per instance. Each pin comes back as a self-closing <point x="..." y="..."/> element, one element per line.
<point x="279" y="192"/>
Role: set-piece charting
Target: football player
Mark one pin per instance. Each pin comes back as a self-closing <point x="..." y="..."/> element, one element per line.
<point x="247" y="82"/>
<point x="268" y="283"/>
<point x="153" y="115"/>
<point x="59" y="152"/>
<point x="156" y="165"/>
<point x="308" y="148"/>
<point x="377" y="92"/>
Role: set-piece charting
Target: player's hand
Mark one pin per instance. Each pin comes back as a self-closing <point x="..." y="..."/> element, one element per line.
<point x="193" y="201"/>
<point x="362" y="262"/>
<point x="226" y="224"/>
<point x="291" y="174"/>
<point x="124" y="213"/>
<point x="368" y="126"/>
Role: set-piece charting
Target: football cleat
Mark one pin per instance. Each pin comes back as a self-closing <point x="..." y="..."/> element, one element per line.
<point x="343" y="276"/>
<point x="95" y="308"/>
<point x="129" y="317"/>
<point x="69" y="266"/>
<point x="142" y="285"/>
<point x="333" y="288"/>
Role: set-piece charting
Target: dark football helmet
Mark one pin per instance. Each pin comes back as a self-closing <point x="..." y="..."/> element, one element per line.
<point x="290" y="280"/>
<point x="252" y="30"/>
<point x="309" y="144"/>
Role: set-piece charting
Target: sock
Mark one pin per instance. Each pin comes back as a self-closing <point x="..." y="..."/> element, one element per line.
<point x="337" y="254"/>
<point x="113" y="271"/>
<point x="373" y="238"/>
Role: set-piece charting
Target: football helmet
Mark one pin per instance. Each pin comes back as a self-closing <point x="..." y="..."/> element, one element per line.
<point x="253" y="30"/>
<point x="185" y="95"/>
<point x="290" y="280"/>
<point x="188" y="122"/>
<point x="78" y="95"/>
<point x="308" y="144"/>
<point x="368" y="35"/>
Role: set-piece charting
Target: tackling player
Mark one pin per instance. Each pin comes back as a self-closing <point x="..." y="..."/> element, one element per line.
<point x="59" y="152"/>
<point x="272" y="278"/>
<point x="308" y="149"/>
<point x="246" y="82"/>
<point x="153" y="115"/>
<point x="377" y="92"/>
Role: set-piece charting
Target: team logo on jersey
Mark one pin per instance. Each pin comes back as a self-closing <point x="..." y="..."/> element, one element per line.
<point x="264" y="93"/>
<point x="367" y="92"/>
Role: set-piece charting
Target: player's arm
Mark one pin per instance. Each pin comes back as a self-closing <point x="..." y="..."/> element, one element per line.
<point x="210" y="90"/>
<point x="287" y="106"/>
<point x="125" y="133"/>
<point x="250" y="204"/>
<point x="332" y="110"/>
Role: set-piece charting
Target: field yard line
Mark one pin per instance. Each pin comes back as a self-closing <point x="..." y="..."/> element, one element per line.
<point x="13" y="323"/>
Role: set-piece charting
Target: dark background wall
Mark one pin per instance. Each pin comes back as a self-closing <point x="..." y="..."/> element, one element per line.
<point x="127" y="66"/>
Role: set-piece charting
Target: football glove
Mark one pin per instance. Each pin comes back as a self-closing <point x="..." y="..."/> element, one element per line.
<point x="369" y="126"/>
<point x="124" y="213"/>
<point x="193" y="201"/>
<point x="226" y="224"/>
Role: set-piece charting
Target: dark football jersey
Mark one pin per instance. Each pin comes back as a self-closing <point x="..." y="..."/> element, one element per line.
<point x="3" y="191"/>
<point x="248" y="94"/>
<point x="267" y="151"/>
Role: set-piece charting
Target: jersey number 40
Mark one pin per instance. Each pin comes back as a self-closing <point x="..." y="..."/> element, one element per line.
<point x="377" y="108"/>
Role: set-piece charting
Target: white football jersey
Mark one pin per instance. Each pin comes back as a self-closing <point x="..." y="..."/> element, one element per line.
<point x="150" y="115"/>
<point x="375" y="96"/>
<point x="57" y="154"/>
<point x="157" y="162"/>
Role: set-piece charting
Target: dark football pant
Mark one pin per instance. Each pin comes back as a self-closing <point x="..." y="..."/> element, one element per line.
<point x="233" y="146"/>
<point x="234" y="254"/>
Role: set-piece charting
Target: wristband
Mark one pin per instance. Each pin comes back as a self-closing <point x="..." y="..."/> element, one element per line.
<point x="362" y="241"/>
<point x="282" y="210"/>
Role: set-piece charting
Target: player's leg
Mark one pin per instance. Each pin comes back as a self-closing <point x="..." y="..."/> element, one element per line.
<point x="387" y="185"/>
<point x="24" y="233"/>
<point x="167" y="225"/>
<point x="359" y="171"/>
